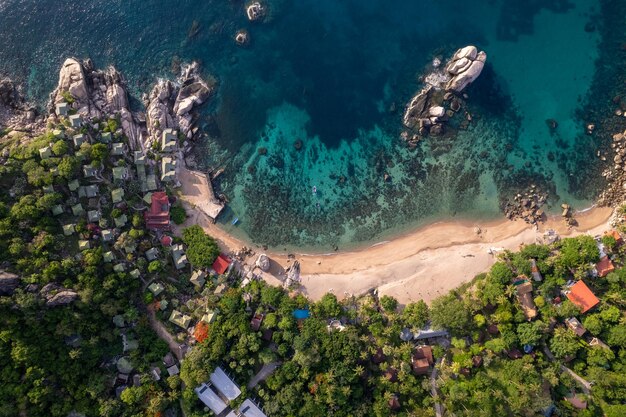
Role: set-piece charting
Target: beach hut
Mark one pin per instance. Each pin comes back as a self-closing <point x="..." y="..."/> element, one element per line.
<point x="62" y="109"/>
<point x="75" y="121"/>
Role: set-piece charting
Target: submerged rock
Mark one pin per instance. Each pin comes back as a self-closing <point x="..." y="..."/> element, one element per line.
<point x="242" y="37"/>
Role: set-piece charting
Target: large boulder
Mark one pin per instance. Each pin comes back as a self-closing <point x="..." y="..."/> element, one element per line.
<point x="8" y="283"/>
<point x="263" y="262"/>
<point x="62" y="298"/>
<point x="416" y="108"/>
<point x="465" y="67"/>
<point x="72" y="80"/>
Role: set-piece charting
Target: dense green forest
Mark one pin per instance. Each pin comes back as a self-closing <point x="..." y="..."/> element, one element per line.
<point x="61" y="338"/>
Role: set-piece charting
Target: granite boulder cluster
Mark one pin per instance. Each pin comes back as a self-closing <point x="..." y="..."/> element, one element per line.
<point x="441" y="96"/>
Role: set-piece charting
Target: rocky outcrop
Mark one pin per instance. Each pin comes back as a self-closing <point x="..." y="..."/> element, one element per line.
<point x="464" y="67"/>
<point x="62" y="298"/>
<point x="439" y="99"/>
<point x="8" y="283"/>
<point x="615" y="193"/>
<point x="256" y="11"/>
<point x="96" y="94"/>
<point x="263" y="262"/>
<point x="171" y="104"/>
<point x="526" y="205"/>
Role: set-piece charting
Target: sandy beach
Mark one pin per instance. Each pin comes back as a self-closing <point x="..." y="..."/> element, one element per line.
<point x="421" y="264"/>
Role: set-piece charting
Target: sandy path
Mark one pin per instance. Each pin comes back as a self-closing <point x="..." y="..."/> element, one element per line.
<point x="421" y="264"/>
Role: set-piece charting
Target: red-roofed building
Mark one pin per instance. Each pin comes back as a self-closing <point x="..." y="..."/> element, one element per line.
<point x="581" y="295"/>
<point x="221" y="264"/>
<point x="422" y="360"/>
<point x="158" y="216"/>
<point x="167" y="240"/>
<point x="604" y="266"/>
<point x="619" y="241"/>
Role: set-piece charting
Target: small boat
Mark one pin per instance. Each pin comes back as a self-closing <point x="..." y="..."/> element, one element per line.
<point x="314" y="189"/>
<point x="235" y="220"/>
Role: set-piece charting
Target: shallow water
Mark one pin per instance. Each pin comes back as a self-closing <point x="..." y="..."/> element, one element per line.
<point x="324" y="74"/>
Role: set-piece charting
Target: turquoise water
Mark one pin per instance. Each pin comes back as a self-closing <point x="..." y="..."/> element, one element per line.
<point x="324" y="75"/>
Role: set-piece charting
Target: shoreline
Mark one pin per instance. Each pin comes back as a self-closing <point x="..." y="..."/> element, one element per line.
<point x="419" y="264"/>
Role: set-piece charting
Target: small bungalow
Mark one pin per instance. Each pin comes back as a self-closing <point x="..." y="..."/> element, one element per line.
<point x="119" y="267"/>
<point x="221" y="264"/>
<point x="604" y="267"/>
<point x="219" y="290"/>
<point x="155" y="373"/>
<point x="105" y="137"/>
<point x="597" y="342"/>
<point x="77" y="210"/>
<point x="119" y="173"/>
<point x="535" y="271"/>
<point x="255" y="323"/>
<point x="119" y="321"/>
<point x="89" y="171"/>
<point x="156" y="288"/>
<point x="581" y="295"/>
<point x="152" y="254"/>
<point x="406" y="335"/>
<point x="422" y="360"/>
<point x="54" y="171"/>
<point x="139" y="158"/>
<point x="78" y="140"/>
<point x="48" y="189"/>
<point x="117" y="195"/>
<point x="89" y="191"/>
<point x="83" y="245"/>
<point x="168" y="140"/>
<point x="575" y="326"/>
<point x="58" y="133"/>
<point x="57" y="210"/>
<point x="168" y="169"/>
<point x="108" y="256"/>
<point x="73" y="185"/>
<point x="158" y="216"/>
<point x="107" y="235"/>
<point x="69" y="229"/>
<point x="335" y="325"/>
<point x="135" y="273"/>
<point x="45" y="153"/>
<point x="120" y="221"/>
<point x="198" y="278"/>
<point x="62" y="108"/>
<point x="178" y="254"/>
<point x="167" y="240"/>
<point x="525" y="297"/>
<point x="173" y="370"/>
<point x="209" y="317"/>
<point x="394" y="402"/>
<point x="117" y="149"/>
<point x="180" y="319"/>
<point x="93" y="216"/>
<point x="75" y="121"/>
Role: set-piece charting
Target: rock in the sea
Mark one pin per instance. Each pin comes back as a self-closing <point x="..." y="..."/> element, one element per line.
<point x="465" y="67"/>
<point x="437" y="111"/>
<point x="8" y="283"/>
<point x="263" y="262"/>
<point x="256" y="11"/>
<point x="242" y="37"/>
<point x="62" y="298"/>
<point x="415" y="108"/>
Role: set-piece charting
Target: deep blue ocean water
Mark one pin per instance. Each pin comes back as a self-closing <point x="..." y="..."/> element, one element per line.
<point x="326" y="74"/>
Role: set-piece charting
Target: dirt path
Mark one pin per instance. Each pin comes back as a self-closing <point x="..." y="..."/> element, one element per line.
<point x="267" y="370"/>
<point x="163" y="334"/>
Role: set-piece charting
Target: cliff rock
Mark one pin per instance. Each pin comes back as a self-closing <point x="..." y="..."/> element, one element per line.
<point x="8" y="283"/>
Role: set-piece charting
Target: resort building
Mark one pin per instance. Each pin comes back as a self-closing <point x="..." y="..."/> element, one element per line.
<point x="89" y="191"/>
<point x="209" y="317"/>
<point x="178" y="254"/>
<point x="73" y="185"/>
<point x="117" y="149"/>
<point x="75" y="121"/>
<point x="83" y="245"/>
<point x="48" y="189"/>
<point x="89" y="171"/>
<point x="221" y="264"/>
<point x="117" y="195"/>
<point x="69" y="229"/>
<point x="107" y="235"/>
<point x="151" y="254"/>
<point x="575" y="326"/>
<point x="78" y="140"/>
<point x="120" y="221"/>
<point x="619" y="241"/>
<point x="119" y="173"/>
<point x="180" y="319"/>
<point x="581" y="295"/>
<point x="198" y="278"/>
<point x="535" y="271"/>
<point x="77" y="210"/>
<point x="158" y="216"/>
<point x="108" y="256"/>
<point x="168" y="169"/>
<point x="45" y="153"/>
<point x="57" y="210"/>
<point x="168" y="140"/>
<point x="62" y="109"/>
<point x="422" y="360"/>
<point x="105" y="137"/>
<point x="93" y="216"/>
<point x="156" y="288"/>
<point x="604" y="267"/>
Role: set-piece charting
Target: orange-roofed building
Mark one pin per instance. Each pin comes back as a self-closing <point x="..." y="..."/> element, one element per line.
<point x="615" y="234"/>
<point x="221" y="264"/>
<point x="581" y="295"/>
<point x="604" y="266"/>
<point x="158" y="216"/>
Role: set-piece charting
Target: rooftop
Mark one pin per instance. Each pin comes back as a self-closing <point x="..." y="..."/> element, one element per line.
<point x="224" y="384"/>
<point x="581" y="295"/>
<point x="210" y="399"/>
<point x="604" y="266"/>
<point x="221" y="264"/>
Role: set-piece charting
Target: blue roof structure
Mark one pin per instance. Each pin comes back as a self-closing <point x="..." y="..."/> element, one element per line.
<point x="301" y="314"/>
